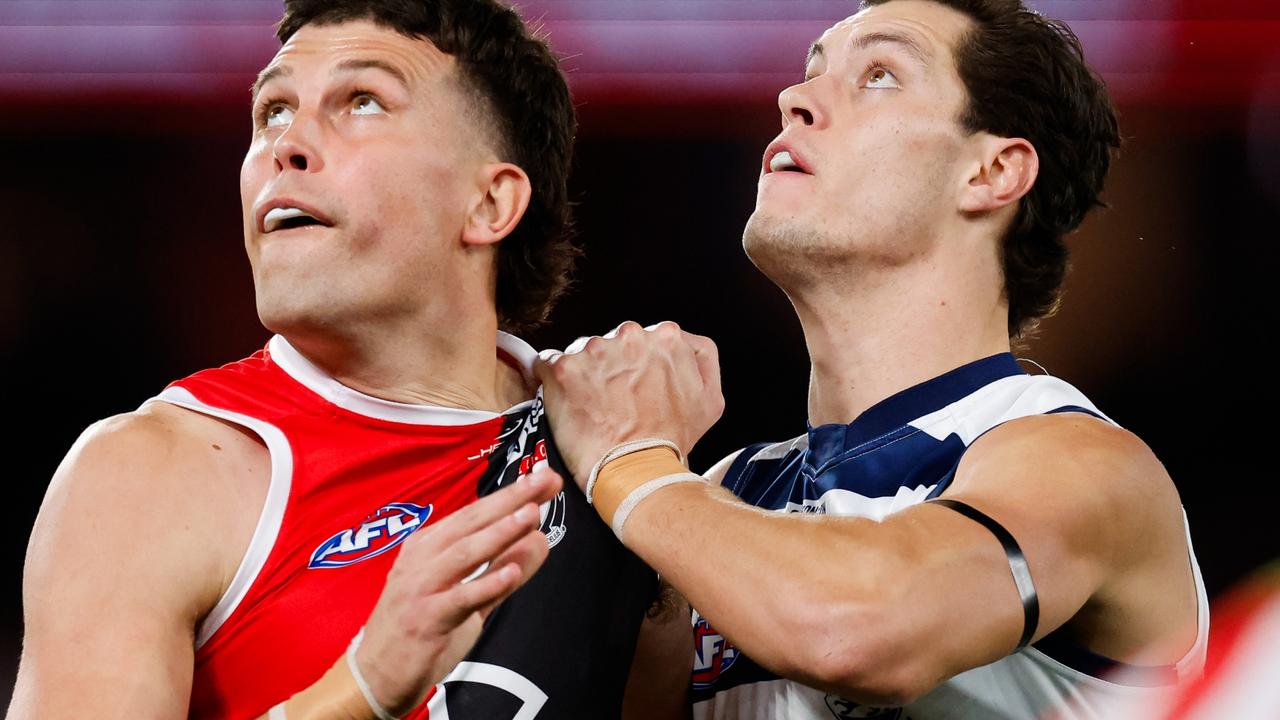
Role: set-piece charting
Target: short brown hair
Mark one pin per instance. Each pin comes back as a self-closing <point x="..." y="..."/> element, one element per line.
<point x="518" y="83"/>
<point x="1026" y="77"/>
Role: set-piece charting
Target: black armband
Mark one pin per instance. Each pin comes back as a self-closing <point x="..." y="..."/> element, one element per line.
<point x="1017" y="565"/>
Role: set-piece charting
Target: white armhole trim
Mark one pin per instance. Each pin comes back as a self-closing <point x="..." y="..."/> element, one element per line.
<point x="1192" y="664"/>
<point x="268" y="527"/>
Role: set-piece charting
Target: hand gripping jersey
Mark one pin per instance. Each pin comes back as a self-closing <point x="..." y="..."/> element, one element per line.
<point x="898" y="453"/>
<point x="352" y="476"/>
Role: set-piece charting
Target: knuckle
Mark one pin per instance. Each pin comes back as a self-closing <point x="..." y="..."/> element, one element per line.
<point x="667" y="329"/>
<point x="562" y="369"/>
<point x="452" y="604"/>
<point x="630" y="327"/>
<point x="460" y="554"/>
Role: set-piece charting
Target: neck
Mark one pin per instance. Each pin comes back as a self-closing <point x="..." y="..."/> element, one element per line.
<point x="896" y="328"/>
<point x="447" y="364"/>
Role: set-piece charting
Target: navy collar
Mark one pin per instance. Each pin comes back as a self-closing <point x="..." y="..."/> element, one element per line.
<point x="895" y="411"/>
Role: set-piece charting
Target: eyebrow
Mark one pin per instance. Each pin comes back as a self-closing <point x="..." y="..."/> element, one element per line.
<point x="344" y="67"/>
<point x="267" y="75"/>
<point x="862" y="42"/>
<point x="358" y="64"/>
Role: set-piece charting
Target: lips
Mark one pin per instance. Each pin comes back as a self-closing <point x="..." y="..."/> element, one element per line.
<point x="287" y="214"/>
<point x="781" y="157"/>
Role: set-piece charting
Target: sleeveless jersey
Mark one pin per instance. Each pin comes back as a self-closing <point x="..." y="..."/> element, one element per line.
<point x="352" y="476"/>
<point x="899" y="453"/>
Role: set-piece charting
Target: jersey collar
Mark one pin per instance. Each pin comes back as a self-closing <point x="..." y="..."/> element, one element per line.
<point x="510" y="348"/>
<point x="892" y="413"/>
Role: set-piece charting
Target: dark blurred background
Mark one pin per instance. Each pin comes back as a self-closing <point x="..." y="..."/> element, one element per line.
<point x="123" y="123"/>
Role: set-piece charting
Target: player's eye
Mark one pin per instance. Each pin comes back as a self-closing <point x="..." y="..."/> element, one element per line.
<point x="366" y="104"/>
<point x="274" y="113"/>
<point x="278" y="115"/>
<point x="879" y="78"/>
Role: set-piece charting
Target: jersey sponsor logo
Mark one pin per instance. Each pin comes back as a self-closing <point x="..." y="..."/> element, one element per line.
<point x="712" y="654"/>
<point x="846" y="709"/>
<point x="486" y="451"/>
<point x="808" y="506"/>
<point x="381" y="531"/>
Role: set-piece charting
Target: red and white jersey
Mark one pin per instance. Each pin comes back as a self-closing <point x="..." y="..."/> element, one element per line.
<point x="352" y="476"/>
<point x="1243" y="664"/>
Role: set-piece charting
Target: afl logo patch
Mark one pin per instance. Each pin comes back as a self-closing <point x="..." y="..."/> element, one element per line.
<point x="381" y="531"/>
<point x="712" y="654"/>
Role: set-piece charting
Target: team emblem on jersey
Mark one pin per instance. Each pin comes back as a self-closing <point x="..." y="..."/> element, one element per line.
<point x="843" y="709"/>
<point x="712" y="654"/>
<point x="381" y="531"/>
<point x="524" y="460"/>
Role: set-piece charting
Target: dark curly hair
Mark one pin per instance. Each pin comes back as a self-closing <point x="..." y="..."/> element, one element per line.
<point x="1026" y="77"/>
<point x="517" y="80"/>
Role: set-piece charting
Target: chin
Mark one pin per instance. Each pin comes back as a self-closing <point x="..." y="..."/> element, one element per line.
<point x="778" y="246"/>
<point x="289" y="313"/>
<point x="767" y="234"/>
<point x="794" y="254"/>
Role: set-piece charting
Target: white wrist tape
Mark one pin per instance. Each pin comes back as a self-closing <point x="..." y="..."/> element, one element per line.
<point x="635" y="497"/>
<point x="276" y="713"/>
<point x="626" y="448"/>
<point x="374" y="705"/>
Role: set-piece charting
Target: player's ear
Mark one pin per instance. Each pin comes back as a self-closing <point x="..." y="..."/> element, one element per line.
<point x="1002" y="174"/>
<point x="503" y="197"/>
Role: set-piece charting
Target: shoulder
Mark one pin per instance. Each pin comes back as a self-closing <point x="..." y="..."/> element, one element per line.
<point x="161" y="450"/>
<point x="1095" y="476"/>
<point x="158" y="496"/>
<point x="1068" y="442"/>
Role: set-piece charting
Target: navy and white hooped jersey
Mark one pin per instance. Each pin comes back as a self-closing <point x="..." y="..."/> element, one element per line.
<point x="899" y="453"/>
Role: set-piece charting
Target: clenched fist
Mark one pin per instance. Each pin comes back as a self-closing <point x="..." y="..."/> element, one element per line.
<point x="633" y="383"/>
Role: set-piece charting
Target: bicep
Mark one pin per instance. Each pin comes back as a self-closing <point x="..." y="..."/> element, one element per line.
<point x="1059" y="504"/>
<point x="113" y="585"/>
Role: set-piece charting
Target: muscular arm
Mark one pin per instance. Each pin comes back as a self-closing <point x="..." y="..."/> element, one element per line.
<point x="141" y="531"/>
<point x="883" y="612"/>
<point x="117" y="574"/>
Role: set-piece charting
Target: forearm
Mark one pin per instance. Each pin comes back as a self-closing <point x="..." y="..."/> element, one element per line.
<point x="774" y="584"/>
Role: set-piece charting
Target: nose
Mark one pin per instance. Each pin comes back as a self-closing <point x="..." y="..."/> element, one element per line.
<point x="298" y="147"/>
<point x="798" y="105"/>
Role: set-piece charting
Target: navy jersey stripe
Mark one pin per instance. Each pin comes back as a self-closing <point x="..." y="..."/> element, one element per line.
<point x="732" y="475"/>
